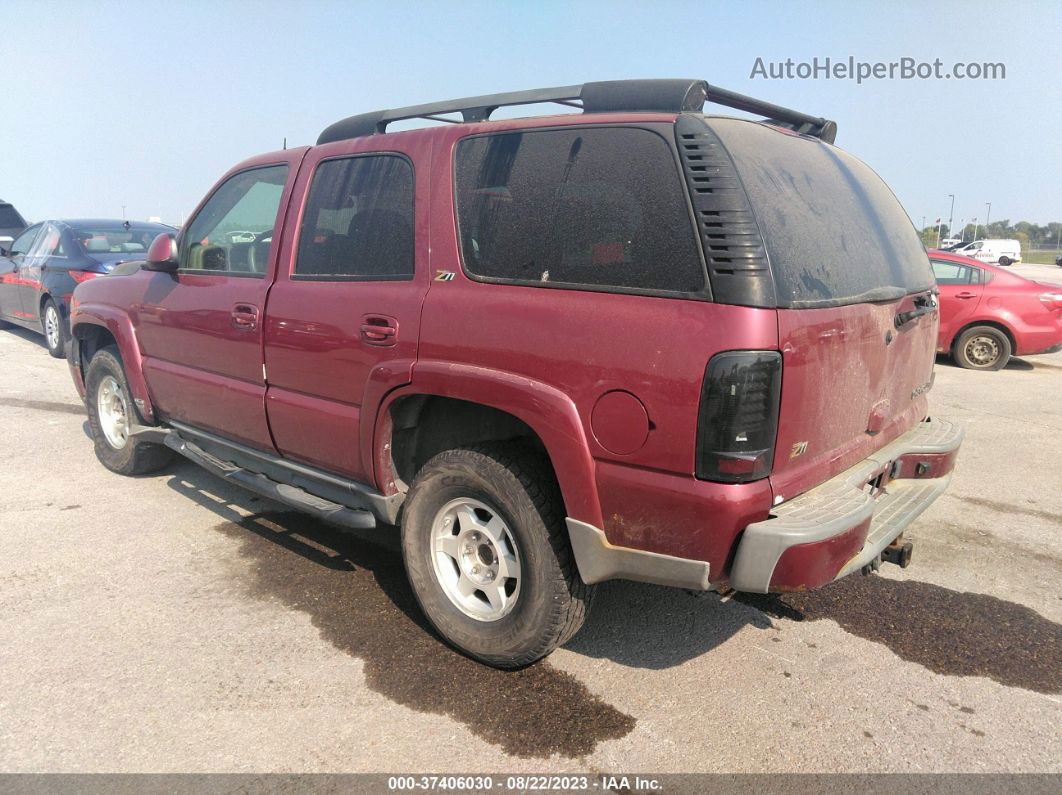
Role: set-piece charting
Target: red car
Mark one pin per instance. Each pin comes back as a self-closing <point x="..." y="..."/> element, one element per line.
<point x="988" y="314"/>
<point x="635" y="342"/>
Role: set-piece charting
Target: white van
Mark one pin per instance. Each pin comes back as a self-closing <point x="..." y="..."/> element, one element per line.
<point x="1003" y="252"/>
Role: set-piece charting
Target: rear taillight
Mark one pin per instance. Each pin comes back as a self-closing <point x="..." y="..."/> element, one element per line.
<point x="83" y="276"/>
<point x="1052" y="301"/>
<point x="738" y="417"/>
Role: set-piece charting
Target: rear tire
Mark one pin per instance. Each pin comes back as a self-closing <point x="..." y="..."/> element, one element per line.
<point x="1005" y="261"/>
<point x="982" y="348"/>
<point x="487" y="554"/>
<point x="111" y="413"/>
<point x="55" y="336"/>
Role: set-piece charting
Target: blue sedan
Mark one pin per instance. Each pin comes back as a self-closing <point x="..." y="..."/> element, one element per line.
<point x="48" y="260"/>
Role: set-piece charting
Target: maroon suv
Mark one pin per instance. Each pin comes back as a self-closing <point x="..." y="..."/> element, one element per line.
<point x="634" y="342"/>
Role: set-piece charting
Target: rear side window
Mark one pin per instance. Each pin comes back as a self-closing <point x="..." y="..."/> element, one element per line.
<point x="588" y="207"/>
<point x="951" y="273"/>
<point x="834" y="232"/>
<point x="358" y="222"/>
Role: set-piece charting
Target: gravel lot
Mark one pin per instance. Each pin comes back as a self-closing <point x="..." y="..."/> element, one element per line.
<point x="174" y="623"/>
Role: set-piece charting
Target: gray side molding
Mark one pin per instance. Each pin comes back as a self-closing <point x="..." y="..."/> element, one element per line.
<point x="598" y="560"/>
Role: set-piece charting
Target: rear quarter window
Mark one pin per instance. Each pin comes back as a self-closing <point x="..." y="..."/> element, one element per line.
<point x="591" y="208"/>
<point x="833" y="230"/>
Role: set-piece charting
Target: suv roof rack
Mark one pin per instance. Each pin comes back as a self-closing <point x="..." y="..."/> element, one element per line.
<point x="612" y="95"/>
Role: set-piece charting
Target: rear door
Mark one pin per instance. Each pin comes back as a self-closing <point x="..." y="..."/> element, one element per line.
<point x="343" y="319"/>
<point x="857" y="318"/>
<point x="32" y="271"/>
<point x="201" y="329"/>
<point x="961" y="288"/>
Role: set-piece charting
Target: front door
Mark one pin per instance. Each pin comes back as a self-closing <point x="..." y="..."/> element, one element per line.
<point x="12" y="274"/>
<point x="343" y="319"/>
<point x="961" y="287"/>
<point x="201" y="329"/>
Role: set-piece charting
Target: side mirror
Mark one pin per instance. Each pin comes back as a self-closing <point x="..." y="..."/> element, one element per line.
<point x="162" y="254"/>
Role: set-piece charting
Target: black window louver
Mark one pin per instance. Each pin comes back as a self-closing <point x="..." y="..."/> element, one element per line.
<point x="733" y="246"/>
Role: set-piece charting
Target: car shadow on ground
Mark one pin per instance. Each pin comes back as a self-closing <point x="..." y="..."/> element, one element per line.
<point x="633" y="624"/>
<point x="26" y="334"/>
<point x="352" y="584"/>
<point x="1015" y="363"/>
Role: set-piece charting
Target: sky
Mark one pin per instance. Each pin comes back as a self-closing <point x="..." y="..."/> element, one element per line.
<point x="145" y="105"/>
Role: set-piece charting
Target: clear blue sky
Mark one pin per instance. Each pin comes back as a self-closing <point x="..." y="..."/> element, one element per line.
<point x="147" y="104"/>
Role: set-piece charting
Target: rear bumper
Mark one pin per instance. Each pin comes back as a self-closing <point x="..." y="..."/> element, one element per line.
<point x="842" y="525"/>
<point x="1039" y="341"/>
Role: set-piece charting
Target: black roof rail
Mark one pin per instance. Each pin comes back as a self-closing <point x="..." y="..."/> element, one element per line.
<point x="669" y="96"/>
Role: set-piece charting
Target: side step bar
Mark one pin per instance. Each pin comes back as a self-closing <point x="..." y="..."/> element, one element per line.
<point x="281" y="492"/>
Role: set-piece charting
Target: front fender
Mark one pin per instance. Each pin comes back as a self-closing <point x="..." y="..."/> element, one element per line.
<point x="545" y="409"/>
<point x="120" y="326"/>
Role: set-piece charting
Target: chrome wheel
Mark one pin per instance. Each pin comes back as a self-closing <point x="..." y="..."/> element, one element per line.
<point x="113" y="411"/>
<point x="982" y="350"/>
<point x="475" y="559"/>
<point x="51" y="326"/>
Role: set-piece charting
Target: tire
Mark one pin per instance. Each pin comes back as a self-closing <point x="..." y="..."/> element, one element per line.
<point x="982" y="348"/>
<point x="1005" y="261"/>
<point x="116" y="450"/>
<point x="509" y="497"/>
<point x="55" y="333"/>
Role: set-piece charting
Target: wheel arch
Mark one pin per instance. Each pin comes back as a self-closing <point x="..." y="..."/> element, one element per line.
<point x="95" y="327"/>
<point x="465" y="404"/>
<point x="993" y="324"/>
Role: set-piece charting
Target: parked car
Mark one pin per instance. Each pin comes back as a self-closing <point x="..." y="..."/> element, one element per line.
<point x="48" y="260"/>
<point x="950" y="242"/>
<point x="988" y="314"/>
<point x="1001" y="252"/>
<point x="11" y="224"/>
<point x="579" y="379"/>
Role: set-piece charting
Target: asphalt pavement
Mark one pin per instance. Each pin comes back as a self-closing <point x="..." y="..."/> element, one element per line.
<point x="176" y="623"/>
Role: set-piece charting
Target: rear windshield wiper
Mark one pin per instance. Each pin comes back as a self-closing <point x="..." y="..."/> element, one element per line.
<point x="924" y="304"/>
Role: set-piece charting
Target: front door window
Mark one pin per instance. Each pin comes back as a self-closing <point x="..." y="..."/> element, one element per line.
<point x="233" y="233"/>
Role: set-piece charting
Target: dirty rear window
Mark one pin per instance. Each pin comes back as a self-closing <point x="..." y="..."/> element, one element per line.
<point x="587" y="208"/>
<point x="834" y="232"/>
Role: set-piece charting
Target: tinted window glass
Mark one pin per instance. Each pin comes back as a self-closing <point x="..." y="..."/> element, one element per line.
<point x="358" y="222"/>
<point x="24" y="242"/>
<point x="234" y="230"/>
<point x="834" y="232"/>
<point x="603" y="207"/>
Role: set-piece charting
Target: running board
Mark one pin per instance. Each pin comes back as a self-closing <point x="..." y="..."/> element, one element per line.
<point x="281" y="492"/>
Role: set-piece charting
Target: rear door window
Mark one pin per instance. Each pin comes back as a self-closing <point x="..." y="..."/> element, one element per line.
<point x="591" y="208"/>
<point x="358" y="222"/>
<point x="834" y="232"/>
<point x="952" y="273"/>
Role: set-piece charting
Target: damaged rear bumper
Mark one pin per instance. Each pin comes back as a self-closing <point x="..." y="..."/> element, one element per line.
<point x="842" y="525"/>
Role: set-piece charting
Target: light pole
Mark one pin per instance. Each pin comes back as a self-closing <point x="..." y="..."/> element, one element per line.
<point x="988" y="217"/>
<point x="951" y="215"/>
<point x="972" y="239"/>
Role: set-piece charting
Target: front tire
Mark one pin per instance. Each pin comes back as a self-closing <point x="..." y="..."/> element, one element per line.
<point x="487" y="554"/>
<point x="982" y="348"/>
<point x="55" y="335"/>
<point x="112" y="414"/>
